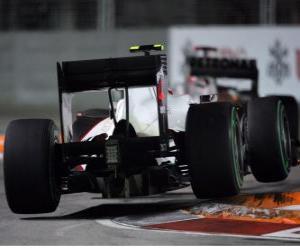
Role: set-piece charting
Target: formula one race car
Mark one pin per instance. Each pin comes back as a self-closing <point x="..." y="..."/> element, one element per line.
<point x="239" y="90"/>
<point x="124" y="154"/>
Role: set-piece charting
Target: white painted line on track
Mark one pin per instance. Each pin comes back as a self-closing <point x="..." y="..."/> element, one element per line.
<point x="289" y="233"/>
<point x="113" y="224"/>
<point x="63" y="230"/>
<point x="165" y="217"/>
<point x="119" y="225"/>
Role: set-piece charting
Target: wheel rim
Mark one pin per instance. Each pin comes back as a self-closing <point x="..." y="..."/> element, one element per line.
<point x="283" y="136"/>
<point x="236" y="148"/>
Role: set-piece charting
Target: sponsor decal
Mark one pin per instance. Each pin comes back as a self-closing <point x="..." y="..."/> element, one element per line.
<point x="278" y="68"/>
<point x="222" y="63"/>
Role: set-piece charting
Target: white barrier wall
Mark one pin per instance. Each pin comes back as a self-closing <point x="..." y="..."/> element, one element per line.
<point x="277" y="50"/>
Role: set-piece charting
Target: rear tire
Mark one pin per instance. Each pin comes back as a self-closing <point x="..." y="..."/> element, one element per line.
<point x="291" y="107"/>
<point x="269" y="146"/>
<point x="30" y="174"/>
<point x="213" y="150"/>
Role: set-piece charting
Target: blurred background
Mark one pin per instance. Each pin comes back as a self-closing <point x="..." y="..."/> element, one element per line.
<point x="35" y="34"/>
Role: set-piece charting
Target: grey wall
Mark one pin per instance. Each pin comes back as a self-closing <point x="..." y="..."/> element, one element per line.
<point x="27" y="62"/>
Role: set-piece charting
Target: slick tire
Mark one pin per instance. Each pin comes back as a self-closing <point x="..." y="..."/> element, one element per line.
<point x="292" y="112"/>
<point x="30" y="169"/>
<point x="213" y="150"/>
<point x="268" y="137"/>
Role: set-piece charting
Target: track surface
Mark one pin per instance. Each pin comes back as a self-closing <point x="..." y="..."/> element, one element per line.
<point x="84" y="219"/>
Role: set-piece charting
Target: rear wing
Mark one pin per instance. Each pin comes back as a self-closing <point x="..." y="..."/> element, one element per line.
<point x="225" y="68"/>
<point x="85" y="75"/>
<point x="111" y="73"/>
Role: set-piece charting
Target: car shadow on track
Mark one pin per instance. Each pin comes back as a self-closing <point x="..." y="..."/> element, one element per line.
<point x="159" y="196"/>
<point x="104" y="211"/>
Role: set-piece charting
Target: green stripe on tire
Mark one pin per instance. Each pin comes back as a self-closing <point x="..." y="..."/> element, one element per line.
<point x="282" y="136"/>
<point x="235" y="148"/>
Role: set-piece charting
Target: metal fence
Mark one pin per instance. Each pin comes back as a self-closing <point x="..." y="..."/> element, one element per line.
<point x="109" y="14"/>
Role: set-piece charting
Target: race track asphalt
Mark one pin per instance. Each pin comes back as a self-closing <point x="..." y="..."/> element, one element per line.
<point x="78" y="220"/>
